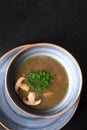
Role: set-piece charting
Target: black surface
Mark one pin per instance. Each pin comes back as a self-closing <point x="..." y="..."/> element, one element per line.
<point x="63" y="22"/>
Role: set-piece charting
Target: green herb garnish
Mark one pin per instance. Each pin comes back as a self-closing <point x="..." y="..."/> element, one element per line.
<point x="39" y="80"/>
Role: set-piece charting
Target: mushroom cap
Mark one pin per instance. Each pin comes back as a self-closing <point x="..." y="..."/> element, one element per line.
<point x="31" y="99"/>
<point x="21" y="84"/>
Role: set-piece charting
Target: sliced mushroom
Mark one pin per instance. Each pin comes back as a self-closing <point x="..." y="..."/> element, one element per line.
<point x="48" y="94"/>
<point x="20" y="84"/>
<point x="31" y="99"/>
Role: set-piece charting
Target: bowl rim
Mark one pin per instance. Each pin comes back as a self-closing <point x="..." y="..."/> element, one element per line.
<point x="26" y="46"/>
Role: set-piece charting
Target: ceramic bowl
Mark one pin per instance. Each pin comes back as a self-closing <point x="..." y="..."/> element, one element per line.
<point x="66" y="59"/>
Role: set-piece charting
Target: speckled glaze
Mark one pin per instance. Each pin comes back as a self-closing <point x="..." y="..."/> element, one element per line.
<point x="67" y="60"/>
<point x="13" y="118"/>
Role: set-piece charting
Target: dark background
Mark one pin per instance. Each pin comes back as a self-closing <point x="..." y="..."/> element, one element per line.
<point x="62" y="22"/>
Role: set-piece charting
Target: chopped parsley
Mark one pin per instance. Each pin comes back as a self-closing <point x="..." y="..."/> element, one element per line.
<point x="39" y="80"/>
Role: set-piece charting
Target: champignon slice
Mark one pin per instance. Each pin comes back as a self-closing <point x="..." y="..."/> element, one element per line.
<point x="48" y="94"/>
<point x="21" y="84"/>
<point x="31" y="99"/>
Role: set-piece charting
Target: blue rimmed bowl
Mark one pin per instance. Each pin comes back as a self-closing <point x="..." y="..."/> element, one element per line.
<point x="66" y="59"/>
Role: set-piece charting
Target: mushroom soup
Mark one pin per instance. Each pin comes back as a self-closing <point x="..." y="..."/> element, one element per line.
<point x="41" y="82"/>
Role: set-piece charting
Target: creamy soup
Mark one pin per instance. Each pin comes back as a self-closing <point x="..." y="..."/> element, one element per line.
<point x="58" y="86"/>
